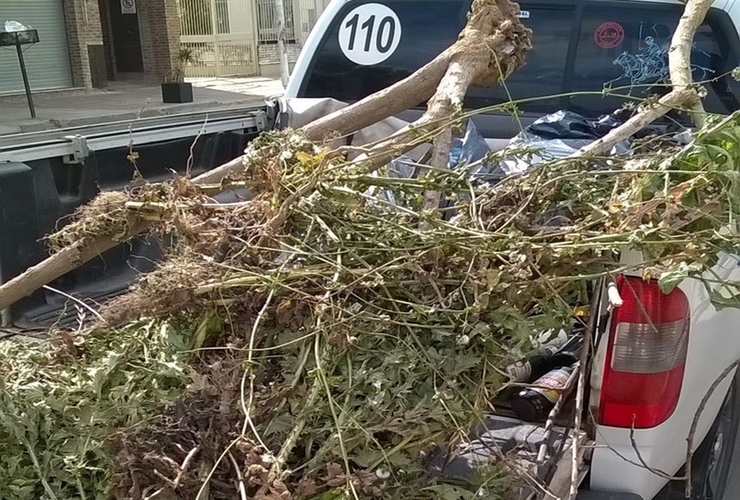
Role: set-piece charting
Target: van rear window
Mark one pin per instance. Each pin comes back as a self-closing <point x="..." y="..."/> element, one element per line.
<point x="544" y="68"/>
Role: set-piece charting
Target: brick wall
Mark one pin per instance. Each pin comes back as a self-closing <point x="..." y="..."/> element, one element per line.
<point x="82" y="18"/>
<point x="159" y="26"/>
<point x="90" y="32"/>
<point x="269" y="54"/>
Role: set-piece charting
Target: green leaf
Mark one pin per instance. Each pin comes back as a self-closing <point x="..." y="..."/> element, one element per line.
<point x="669" y="280"/>
<point x="209" y="326"/>
<point x="365" y="456"/>
<point x="451" y="492"/>
<point x="280" y="424"/>
<point x="335" y="494"/>
<point x="465" y="361"/>
<point x="722" y="301"/>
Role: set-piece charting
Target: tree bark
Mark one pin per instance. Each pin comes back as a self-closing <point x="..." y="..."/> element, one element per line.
<point x="446" y="102"/>
<point x="492" y="45"/>
<point x="59" y="264"/>
<point x="679" y="54"/>
<point x="219" y="173"/>
<point x="675" y="99"/>
<point x="409" y="92"/>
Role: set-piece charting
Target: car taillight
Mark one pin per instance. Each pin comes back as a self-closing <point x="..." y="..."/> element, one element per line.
<point x="645" y="359"/>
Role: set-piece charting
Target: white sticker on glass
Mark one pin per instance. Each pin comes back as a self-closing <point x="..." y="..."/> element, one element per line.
<point x="369" y="34"/>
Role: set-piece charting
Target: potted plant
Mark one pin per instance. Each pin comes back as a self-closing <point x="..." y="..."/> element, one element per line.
<point x="174" y="88"/>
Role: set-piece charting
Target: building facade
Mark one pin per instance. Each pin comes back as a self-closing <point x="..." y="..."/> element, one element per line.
<point x="239" y="37"/>
<point x="84" y="43"/>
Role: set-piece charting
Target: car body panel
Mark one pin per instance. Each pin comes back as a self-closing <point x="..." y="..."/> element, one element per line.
<point x="713" y="346"/>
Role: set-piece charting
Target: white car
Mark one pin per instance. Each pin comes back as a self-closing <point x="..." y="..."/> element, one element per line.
<point x="658" y="356"/>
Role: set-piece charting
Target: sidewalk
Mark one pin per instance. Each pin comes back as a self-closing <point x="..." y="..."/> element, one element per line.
<point x="253" y="85"/>
<point x="124" y="100"/>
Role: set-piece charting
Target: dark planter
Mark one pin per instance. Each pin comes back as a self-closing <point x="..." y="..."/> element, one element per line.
<point x="177" y="92"/>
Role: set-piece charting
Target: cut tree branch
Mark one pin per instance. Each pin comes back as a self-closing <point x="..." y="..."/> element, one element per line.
<point x="59" y="264"/>
<point x="683" y="95"/>
<point x="492" y="45"/>
<point x="409" y="92"/>
<point x="679" y="54"/>
<point x="447" y="102"/>
<point x="676" y="99"/>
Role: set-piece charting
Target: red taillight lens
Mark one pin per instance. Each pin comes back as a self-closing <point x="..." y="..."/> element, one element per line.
<point x="646" y="355"/>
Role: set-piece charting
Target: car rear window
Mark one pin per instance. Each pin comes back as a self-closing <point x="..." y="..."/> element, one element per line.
<point x="619" y="46"/>
<point x="627" y="50"/>
<point x="544" y="68"/>
<point x="427" y="27"/>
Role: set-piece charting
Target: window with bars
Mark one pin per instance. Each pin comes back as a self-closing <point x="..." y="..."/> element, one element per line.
<point x="197" y="17"/>
<point x="267" y="21"/>
<point x="222" y="16"/>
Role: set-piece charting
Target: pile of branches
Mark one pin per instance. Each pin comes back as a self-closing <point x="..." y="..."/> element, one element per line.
<point x="319" y="345"/>
<point x="317" y="338"/>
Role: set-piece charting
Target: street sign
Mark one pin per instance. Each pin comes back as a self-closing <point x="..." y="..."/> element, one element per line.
<point x="13" y="33"/>
<point x="13" y="38"/>
<point x="128" y="6"/>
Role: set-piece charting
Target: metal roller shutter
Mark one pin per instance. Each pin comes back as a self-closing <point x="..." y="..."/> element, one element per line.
<point x="48" y="61"/>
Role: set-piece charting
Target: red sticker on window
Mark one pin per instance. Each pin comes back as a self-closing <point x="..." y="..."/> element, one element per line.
<point x="609" y="35"/>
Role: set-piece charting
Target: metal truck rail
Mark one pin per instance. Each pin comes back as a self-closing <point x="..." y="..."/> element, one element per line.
<point x="74" y="144"/>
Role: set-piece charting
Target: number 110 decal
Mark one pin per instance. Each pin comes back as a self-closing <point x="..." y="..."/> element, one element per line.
<point x="369" y="34"/>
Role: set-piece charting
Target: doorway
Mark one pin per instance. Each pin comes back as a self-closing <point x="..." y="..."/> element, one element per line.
<point x="126" y="38"/>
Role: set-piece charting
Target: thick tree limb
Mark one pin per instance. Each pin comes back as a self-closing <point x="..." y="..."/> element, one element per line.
<point x="675" y="99"/>
<point x="218" y="174"/>
<point x="492" y="45"/>
<point x="446" y="101"/>
<point x="409" y="92"/>
<point x="59" y="264"/>
<point x="683" y="94"/>
<point x="679" y="55"/>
